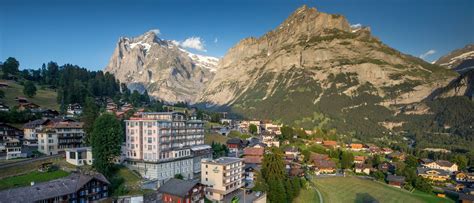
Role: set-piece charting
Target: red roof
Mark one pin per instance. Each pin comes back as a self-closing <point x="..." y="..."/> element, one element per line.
<point x="253" y="159"/>
<point x="359" y="158"/>
<point x="315" y="156"/>
<point x="356" y="146"/>
<point x="324" y="164"/>
<point x="253" y="151"/>
<point x="330" y="143"/>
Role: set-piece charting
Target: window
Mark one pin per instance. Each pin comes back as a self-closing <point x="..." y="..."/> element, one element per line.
<point x="72" y="155"/>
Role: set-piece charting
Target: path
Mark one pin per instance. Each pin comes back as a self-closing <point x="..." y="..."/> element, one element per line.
<point x="315" y="188"/>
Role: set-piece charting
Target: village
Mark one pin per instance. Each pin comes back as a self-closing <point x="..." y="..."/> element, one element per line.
<point x="178" y="158"/>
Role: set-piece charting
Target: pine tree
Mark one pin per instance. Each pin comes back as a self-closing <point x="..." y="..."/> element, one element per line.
<point x="296" y="183"/>
<point x="290" y="192"/>
<point x="90" y="113"/>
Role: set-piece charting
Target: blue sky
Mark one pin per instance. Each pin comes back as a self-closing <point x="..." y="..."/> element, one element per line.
<point x="85" y="32"/>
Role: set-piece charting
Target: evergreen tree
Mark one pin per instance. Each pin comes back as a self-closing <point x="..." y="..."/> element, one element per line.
<point x="290" y="192"/>
<point x="2" y="94"/>
<point x="296" y="183"/>
<point x="106" y="139"/>
<point x="29" y="89"/>
<point x="89" y="114"/>
<point x="260" y="183"/>
<point x="135" y="98"/>
<point x="276" y="193"/>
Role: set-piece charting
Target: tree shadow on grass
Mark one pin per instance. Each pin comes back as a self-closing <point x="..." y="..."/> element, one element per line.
<point x="365" y="198"/>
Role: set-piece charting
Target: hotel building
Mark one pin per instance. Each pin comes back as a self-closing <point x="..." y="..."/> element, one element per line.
<point x="222" y="176"/>
<point x="160" y="145"/>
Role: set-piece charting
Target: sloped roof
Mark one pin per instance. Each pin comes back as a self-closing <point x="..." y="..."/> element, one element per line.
<point x="330" y="142"/>
<point x="324" y="164"/>
<point x="316" y="156"/>
<point x="35" y="123"/>
<point x="253" y="151"/>
<point x="444" y="163"/>
<point x="49" y="189"/>
<point x="177" y="187"/>
<point x="253" y="159"/>
<point x="394" y="178"/>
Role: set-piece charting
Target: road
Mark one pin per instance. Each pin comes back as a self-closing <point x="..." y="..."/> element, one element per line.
<point x="18" y="163"/>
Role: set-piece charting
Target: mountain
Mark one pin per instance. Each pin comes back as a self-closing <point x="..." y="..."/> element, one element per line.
<point x="315" y="69"/>
<point x="462" y="61"/>
<point x="167" y="71"/>
<point x="458" y="59"/>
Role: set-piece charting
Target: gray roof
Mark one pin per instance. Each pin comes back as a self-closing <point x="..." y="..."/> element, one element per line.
<point x="223" y="160"/>
<point x="79" y="149"/>
<point x="177" y="187"/>
<point x="463" y="196"/>
<point x="48" y="189"/>
<point x="394" y="178"/>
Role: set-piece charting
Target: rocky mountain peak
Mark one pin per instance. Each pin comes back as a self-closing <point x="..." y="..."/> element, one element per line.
<point x="166" y="70"/>
<point x="315" y="60"/>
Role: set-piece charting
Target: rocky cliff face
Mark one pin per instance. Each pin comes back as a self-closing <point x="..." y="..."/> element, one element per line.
<point x="167" y="71"/>
<point x="315" y="68"/>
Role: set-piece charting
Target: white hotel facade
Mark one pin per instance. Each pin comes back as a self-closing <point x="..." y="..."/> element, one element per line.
<point x="160" y="145"/>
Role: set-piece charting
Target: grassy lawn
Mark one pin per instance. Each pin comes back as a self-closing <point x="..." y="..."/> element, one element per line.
<point x="216" y="138"/>
<point x="28" y="167"/>
<point x="129" y="182"/>
<point x="46" y="98"/>
<point x="26" y="179"/>
<point x="353" y="189"/>
<point x="307" y="195"/>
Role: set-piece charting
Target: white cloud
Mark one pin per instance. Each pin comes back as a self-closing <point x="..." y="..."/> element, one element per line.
<point x="156" y="31"/>
<point x="356" y="26"/>
<point x="215" y="40"/>
<point x="428" y="53"/>
<point x="191" y="42"/>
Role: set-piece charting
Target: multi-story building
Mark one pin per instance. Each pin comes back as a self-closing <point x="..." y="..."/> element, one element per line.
<point x="30" y="138"/>
<point x="440" y="164"/>
<point x="222" y="176"/>
<point x="13" y="149"/>
<point x="58" y="136"/>
<point x="160" y="145"/>
<point x="8" y="132"/>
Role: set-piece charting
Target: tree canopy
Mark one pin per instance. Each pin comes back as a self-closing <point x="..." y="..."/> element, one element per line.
<point x="106" y="139"/>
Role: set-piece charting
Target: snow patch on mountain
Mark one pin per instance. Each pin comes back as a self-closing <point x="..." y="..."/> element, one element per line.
<point x="207" y="62"/>
<point x="464" y="56"/>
